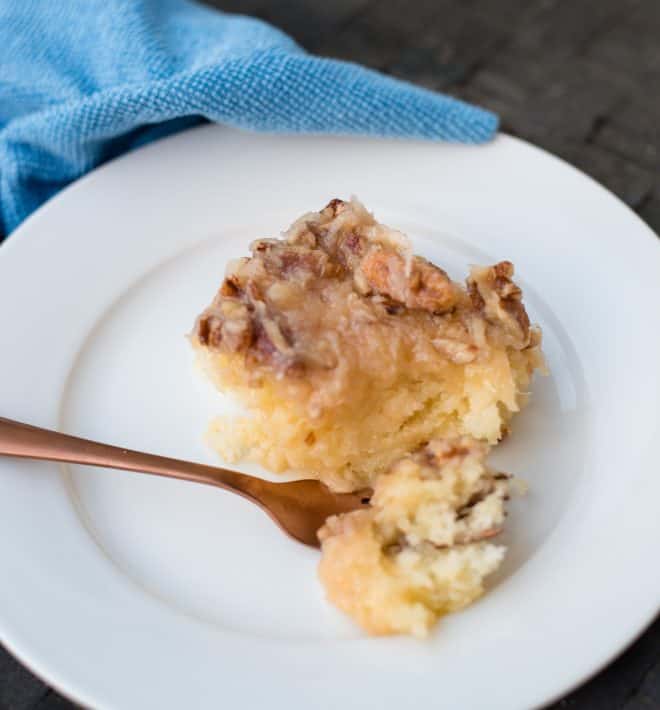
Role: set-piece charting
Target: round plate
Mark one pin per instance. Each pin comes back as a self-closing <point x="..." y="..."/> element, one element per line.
<point x="130" y="591"/>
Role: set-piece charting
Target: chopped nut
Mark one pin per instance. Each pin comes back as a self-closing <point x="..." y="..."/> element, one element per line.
<point x="339" y="269"/>
<point x="436" y="506"/>
<point x="334" y="207"/>
<point x="230" y="287"/>
<point x="337" y="328"/>
<point x="493" y="292"/>
<point x="425" y="286"/>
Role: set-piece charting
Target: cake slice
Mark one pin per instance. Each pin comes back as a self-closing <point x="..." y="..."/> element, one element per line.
<point x="348" y="351"/>
<point x="422" y="550"/>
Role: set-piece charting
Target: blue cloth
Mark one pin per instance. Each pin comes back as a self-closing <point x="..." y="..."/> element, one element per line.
<point x="82" y="81"/>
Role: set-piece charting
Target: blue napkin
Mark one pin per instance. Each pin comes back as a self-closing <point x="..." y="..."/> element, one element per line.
<point x="82" y="81"/>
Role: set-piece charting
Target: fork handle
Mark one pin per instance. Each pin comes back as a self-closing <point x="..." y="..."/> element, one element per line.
<point x="26" y="441"/>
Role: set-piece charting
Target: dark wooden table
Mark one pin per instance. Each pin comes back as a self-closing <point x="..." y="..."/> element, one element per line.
<point x="580" y="78"/>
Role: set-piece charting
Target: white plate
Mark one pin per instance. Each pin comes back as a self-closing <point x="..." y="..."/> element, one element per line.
<point x="132" y="592"/>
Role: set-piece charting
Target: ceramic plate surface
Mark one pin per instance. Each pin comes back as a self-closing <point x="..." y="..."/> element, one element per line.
<point x="128" y="591"/>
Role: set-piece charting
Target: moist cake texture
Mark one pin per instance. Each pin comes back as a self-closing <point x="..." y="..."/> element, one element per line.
<point x="422" y="549"/>
<point x="348" y="351"/>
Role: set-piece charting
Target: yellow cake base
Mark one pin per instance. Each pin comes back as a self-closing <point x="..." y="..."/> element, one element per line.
<point x="348" y="446"/>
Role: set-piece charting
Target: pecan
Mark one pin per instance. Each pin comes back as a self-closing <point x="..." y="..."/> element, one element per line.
<point x="425" y="287"/>
<point x="493" y="293"/>
<point x="314" y="233"/>
<point x="203" y="330"/>
<point x="263" y="245"/>
<point x="353" y="242"/>
<point x="440" y="451"/>
<point x="334" y="207"/>
<point x="503" y="270"/>
<point x="227" y="323"/>
<point x="312" y="262"/>
<point x="283" y="260"/>
<point x="477" y="301"/>
<point x="230" y="287"/>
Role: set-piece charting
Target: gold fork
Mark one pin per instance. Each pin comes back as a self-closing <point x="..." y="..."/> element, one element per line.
<point x="299" y="507"/>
